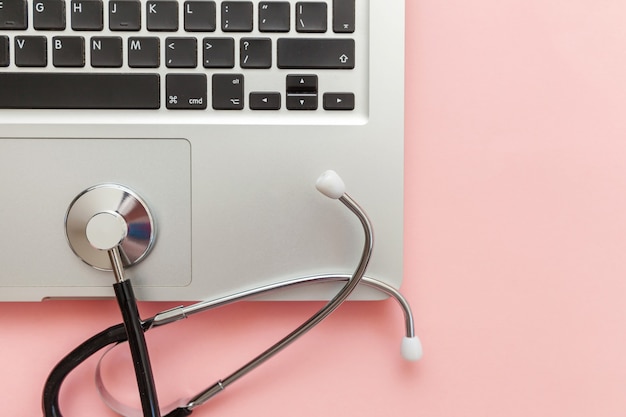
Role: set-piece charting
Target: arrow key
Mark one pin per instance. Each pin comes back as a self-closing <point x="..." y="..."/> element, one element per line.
<point x="301" y="83"/>
<point x="338" y="101"/>
<point x="264" y="101"/>
<point x="302" y="101"/>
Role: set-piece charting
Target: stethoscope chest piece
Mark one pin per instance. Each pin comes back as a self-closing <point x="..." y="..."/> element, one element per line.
<point x="109" y="215"/>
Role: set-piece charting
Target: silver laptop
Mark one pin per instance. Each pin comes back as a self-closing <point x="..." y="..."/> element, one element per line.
<point x="215" y="119"/>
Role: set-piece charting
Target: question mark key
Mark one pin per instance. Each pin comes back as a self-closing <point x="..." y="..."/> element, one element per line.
<point x="255" y="53"/>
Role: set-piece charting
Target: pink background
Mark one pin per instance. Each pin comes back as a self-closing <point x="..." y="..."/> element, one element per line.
<point x="515" y="241"/>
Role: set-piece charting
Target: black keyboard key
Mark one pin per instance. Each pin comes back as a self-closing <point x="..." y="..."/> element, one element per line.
<point x="186" y="91"/>
<point x="4" y="51"/>
<point x="338" y="101"/>
<point x="228" y="91"/>
<point x="300" y="53"/>
<point x="343" y="16"/>
<point x="124" y="15"/>
<point x="301" y="92"/>
<point x="302" y="101"/>
<point x="49" y="14"/>
<point x="199" y="16"/>
<point x="255" y="53"/>
<point x="13" y="14"/>
<point x="162" y="15"/>
<point x="87" y="15"/>
<point x="237" y="16"/>
<point x="31" y="51"/>
<point x="106" y="52"/>
<point x="79" y="91"/>
<point x="274" y="16"/>
<point x="296" y="83"/>
<point x="218" y="52"/>
<point x="143" y="52"/>
<point x="181" y="53"/>
<point x="311" y="17"/>
<point x="68" y="51"/>
<point x="261" y="100"/>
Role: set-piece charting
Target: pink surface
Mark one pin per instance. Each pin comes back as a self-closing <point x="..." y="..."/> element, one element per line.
<point x="515" y="241"/>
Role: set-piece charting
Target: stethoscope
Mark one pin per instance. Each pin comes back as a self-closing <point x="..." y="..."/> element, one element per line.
<point x="105" y="234"/>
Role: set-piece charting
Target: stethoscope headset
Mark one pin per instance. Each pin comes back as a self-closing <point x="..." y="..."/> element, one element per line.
<point x="106" y="233"/>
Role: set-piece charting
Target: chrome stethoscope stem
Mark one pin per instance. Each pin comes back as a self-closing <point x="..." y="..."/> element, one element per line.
<point x="117" y="264"/>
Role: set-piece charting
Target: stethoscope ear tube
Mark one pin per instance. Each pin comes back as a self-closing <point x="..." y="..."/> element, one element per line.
<point x="313" y="321"/>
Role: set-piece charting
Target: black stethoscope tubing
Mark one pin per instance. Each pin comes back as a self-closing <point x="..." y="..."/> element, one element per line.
<point x="134" y="331"/>
<point x="52" y="387"/>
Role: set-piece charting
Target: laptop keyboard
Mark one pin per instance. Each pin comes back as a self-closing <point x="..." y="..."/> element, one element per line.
<point x="170" y="55"/>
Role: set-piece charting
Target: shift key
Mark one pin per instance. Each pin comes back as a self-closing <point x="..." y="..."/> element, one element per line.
<point x="316" y="53"/>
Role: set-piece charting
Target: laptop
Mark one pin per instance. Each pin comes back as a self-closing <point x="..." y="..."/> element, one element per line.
<point x="215" y="118"/>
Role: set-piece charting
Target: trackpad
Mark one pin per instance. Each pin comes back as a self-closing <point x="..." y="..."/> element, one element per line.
<point x="41" y="177"/>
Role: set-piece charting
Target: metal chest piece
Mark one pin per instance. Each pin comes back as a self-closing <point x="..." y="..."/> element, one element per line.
<point x="108" y="215"/>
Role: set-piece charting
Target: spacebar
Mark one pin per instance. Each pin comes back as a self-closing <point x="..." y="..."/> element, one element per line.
<point x="79" y="91"/>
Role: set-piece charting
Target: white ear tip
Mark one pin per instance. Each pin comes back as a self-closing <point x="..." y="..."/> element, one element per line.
<point x="412" y="349"/>
<point x="330" y="184"/>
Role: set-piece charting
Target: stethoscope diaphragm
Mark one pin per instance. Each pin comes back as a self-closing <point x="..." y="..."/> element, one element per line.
<point x="110" y="202"/>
